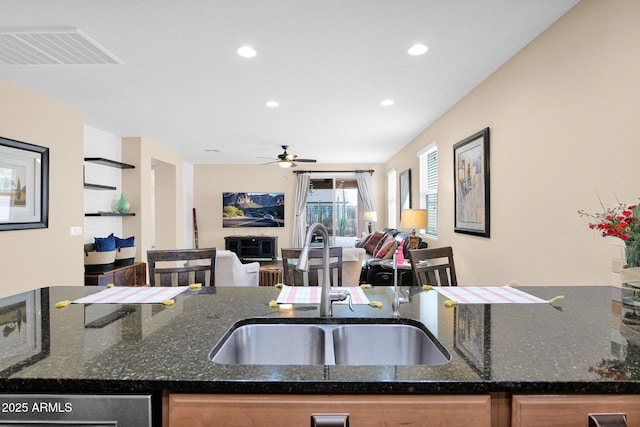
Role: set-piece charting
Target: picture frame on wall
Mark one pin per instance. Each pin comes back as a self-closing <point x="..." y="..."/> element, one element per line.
<point x="24" y="185"/>
<point x="405" y="191"/>
<point x="471" y="185"/>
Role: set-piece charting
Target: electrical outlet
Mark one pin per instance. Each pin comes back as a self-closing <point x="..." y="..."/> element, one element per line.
<point x="75" y="231"/>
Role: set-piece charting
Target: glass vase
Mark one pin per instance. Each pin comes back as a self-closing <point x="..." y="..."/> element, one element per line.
<point x="632" y="250"/>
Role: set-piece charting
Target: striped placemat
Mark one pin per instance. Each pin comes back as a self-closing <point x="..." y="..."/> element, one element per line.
<point x="132" y="295"/>
<point x="311" y="295"/>
<point x="487" y="295"/>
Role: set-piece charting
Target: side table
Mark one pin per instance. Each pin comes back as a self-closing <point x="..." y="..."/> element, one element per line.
<point x="270" y="274"/>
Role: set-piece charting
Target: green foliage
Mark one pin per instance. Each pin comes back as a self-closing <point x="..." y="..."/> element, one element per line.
<point x="231" y="212"/>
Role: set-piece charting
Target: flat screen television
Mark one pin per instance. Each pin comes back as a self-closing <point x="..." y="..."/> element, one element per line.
<point x="241" y="210"/>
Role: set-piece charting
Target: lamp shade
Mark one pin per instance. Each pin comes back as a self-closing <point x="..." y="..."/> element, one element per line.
<point x="371" y="216"/>
<point x="414" y="218"/>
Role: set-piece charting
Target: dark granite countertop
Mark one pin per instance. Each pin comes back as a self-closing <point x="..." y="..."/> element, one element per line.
<point x="518" y="348"/>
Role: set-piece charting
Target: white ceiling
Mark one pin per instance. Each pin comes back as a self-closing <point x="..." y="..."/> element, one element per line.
<point x="329" y="63"/>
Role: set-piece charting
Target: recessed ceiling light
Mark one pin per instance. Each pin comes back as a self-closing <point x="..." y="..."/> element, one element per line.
<point x="417" y="49"/>
<point x="246" y="52"/>
<point x="272" y="104"/>
<point x="387" y="102"/>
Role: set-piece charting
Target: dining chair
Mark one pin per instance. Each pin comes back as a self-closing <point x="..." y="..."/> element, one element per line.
<point x="433" y="267"/>
<point x="180" y="267"/>
<point x="294" y="277"/>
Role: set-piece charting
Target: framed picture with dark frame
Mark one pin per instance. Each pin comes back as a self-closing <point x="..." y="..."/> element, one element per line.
<point x="405" y="191"/>
<point x="471" y="185"/>
<point x="24" y="185"/>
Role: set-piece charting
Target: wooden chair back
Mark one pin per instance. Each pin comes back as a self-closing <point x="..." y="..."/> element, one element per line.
<point x="433" y="267"/>
<point x="293" y="277"/>
<point x="187" y="266"/>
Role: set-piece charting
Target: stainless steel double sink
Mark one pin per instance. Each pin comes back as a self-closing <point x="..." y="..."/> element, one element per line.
<point x="323" y="342"/>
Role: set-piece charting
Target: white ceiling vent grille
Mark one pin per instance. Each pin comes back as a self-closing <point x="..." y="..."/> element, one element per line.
<point x="67" y="46"/>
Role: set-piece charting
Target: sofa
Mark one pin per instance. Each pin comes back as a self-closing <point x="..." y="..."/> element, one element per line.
<point x="381" y="245"/>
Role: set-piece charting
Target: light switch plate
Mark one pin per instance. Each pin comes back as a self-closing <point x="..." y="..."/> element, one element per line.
<point x="75" y="231"/>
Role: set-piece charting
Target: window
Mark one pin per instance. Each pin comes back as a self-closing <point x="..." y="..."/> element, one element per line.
<point x="333" y="202"/>
<point x="429" y="186"/>
<point x="391" y="198"/>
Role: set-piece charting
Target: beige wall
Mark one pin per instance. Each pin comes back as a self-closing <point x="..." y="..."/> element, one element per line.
<point x="210" y="181"/>
<point x="40" y="257"/>
<point x="564" y="126"/>
<point x="168" y="191"/>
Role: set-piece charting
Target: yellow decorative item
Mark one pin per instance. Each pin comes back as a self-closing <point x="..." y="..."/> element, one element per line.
<point x="365" y="286"/>
<point x="427" y="287"/>
<point x="450" y="303"/>
<point x="279" y="285"/>
<point x="375" y="304"/>
<point x="110" y="285"/>
<point x="554" y="299"/>
<point x="195" y="286"/>
<point x="513" y="284"/>
<point x="168" y="302"/>
<point x="273" y="303"/>
<point x="63" y="304"/>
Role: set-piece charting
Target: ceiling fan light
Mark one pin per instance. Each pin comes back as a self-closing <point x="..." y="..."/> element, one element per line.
<point x="285" y="164"/>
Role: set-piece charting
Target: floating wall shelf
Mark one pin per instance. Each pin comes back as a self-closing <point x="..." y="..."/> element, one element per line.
<point x="98" y="187"/>
<point x="107" y="162"/>
<point x="109" y="214"/>
<point x="111" y="163"/>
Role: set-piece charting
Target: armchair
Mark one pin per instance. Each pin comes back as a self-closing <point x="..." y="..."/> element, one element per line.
<point x="231" y="272"/>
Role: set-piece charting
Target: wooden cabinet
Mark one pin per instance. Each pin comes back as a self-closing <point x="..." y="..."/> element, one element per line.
<point x="130" y="275"/>
<point x="571" y="410"/>
<point x="188" y="410"/>
<point x="253" y="247"/>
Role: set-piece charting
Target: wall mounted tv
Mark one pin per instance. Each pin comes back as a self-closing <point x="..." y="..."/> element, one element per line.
<point x="252" y="210"/>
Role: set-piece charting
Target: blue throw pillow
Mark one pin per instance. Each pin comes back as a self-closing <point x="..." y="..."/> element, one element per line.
<point x="105" y="244"/>
<point x="125" y="243"/>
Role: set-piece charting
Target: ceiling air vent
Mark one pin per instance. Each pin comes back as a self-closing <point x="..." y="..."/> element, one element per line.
<point x="66" y="46"/>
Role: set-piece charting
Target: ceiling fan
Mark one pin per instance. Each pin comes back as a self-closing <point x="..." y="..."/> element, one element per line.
<point x="287" y="160"/>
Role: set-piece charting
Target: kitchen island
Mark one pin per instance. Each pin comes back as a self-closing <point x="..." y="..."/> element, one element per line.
<point x="503" y="353"/>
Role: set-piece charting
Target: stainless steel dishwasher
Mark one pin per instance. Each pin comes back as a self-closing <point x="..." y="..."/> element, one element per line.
<point x="66" y="410"/>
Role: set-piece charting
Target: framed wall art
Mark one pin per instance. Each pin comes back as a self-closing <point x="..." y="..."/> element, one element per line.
<point x="24" y="185"/>
<point x="405" y="191"/>
<point x="471" y="185"/>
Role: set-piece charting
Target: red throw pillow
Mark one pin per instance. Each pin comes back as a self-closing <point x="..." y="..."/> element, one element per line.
<point x="364" y="241"/>
<point x="373" y="241"/>
<point x="386" y="249"/>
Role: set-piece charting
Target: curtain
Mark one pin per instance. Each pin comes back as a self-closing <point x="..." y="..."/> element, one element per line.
<point x="300" y="209"/>
<point x="364" y="190"/>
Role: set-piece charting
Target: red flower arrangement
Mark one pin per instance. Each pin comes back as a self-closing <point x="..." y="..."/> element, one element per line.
<point x="621" y="221"/>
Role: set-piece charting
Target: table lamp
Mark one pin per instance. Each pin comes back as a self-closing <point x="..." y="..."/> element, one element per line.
<point x="414" y="218"/>
<point x="370" y="217"/>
